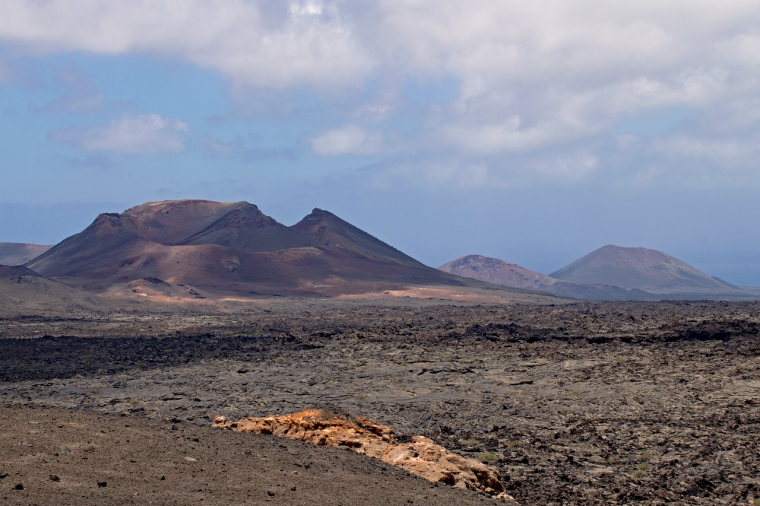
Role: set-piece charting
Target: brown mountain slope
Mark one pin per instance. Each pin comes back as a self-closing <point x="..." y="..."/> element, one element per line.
<point x="233" y="248"/>
<point x="244" y="227"/>
<point x="174" y="221"/>
<point x="640" y="268"/>
<point x="16" y="253"/>
<point x="324" y="229"/>
<point x="499" y="272"/>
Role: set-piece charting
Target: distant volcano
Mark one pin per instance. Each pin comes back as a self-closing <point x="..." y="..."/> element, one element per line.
<point x="500" y="272"/>
<point x="497" y="271"/>
<point x="609" y="273"/>
<point x="232" y="248"/>
<point x="16" y="253"/>
<point x="640" y="268"/>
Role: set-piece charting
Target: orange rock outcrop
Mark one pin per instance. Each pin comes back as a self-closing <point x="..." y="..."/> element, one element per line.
<point x="420" y="456"/>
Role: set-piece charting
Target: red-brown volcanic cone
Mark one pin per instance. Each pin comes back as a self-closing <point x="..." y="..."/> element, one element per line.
<point x="233" y="248"/>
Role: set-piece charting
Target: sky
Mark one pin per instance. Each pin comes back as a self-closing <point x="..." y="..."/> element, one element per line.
<point x="534" y="132"/>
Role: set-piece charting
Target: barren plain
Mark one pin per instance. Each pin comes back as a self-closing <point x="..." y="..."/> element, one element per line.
<point x="586" y="403"/>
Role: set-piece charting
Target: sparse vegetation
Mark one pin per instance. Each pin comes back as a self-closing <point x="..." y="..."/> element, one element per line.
<point x="487" y="457"/>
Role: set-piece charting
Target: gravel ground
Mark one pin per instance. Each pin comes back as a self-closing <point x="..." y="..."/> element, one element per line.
<point x="73" y="457"/>
<point x="576" y="404"/>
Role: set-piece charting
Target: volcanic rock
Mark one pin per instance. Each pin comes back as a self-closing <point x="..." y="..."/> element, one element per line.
<point x="420" y="456"/>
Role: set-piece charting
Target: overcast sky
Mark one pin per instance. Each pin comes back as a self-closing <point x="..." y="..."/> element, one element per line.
<point x="529" y="131"/>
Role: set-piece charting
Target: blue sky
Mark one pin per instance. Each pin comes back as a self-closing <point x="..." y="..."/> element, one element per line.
<point x="532" y="133"/>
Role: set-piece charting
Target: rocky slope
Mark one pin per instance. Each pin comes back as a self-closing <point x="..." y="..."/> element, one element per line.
<point x="420" y="455"/>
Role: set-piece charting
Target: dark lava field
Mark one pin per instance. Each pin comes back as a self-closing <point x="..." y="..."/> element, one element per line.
<point x="610" y="403"/>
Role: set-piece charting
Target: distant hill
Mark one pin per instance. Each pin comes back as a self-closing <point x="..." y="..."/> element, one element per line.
<point x="497" y="271"/>
<point x="493" y="270"/>
<point x="609" y="273"/>
<point x="17" y="253"/>
<point x="232" y="248"/>
<point x="23" y="291"/>
<point x="15" y="271"/>
<point x="643" y="269"/>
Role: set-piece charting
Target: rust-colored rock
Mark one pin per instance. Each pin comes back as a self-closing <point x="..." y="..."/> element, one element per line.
<point x="420" y="456"/>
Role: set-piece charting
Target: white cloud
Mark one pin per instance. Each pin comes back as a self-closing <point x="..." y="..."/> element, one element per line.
<point x="308" y="8"/>
<point x="491" y="138"/>
<point x="253" y="43"/>
<point x="538" y="76"/>
<point x="579" y="41"/>
<point x="139" y="134"/>
<point x="692" y="160"/>
<point x="336" y="42"/>
<point x="350" y="139"/>
<point x="534" y="79"/>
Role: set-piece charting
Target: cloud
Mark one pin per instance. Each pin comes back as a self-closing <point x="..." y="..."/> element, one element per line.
<point x="350" y="139"/>
<point x="580" y="41"/>
<point x="254" y="43"/>
<point x="691" y="160"/>
<point x="496" y="137"/>
<point x="138" y="134"/>
<point x="533" y="80"/>
<point x="342" y="43"/>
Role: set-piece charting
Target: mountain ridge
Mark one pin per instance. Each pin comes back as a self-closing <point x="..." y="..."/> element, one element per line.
<point x="233" y="248"/>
